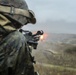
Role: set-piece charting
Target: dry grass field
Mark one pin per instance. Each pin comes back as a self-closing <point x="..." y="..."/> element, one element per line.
<point x="55" y="59"/>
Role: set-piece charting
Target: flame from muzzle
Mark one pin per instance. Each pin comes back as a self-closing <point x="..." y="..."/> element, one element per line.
<point x="41" y="37"/>
<point x="44" y="37"/>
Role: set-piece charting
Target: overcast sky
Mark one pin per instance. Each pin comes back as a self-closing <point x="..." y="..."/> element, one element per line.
<point x="56" y="16"/>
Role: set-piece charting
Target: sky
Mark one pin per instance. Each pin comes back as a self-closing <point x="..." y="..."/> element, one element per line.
<point x="55" y="16"/>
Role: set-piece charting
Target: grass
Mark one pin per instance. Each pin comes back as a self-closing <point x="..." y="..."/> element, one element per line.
<point x="63" y="63"/>
<point x="55" y="70"/>
<point x="71" y="50"/>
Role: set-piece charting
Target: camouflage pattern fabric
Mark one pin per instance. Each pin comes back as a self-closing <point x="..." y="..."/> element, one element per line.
<point x="20" y="4"/>
<point x="14" y="51"/>
<point x="6" y="24"/>
<point x="14" y="55"/>
<point x="17" y="4"/>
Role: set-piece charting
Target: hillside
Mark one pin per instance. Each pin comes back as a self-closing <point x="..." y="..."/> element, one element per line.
<point x="56" y="57"/>
<point x="53" y="37"/>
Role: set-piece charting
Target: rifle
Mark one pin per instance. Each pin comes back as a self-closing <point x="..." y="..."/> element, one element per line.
<point x="32" y="39"/>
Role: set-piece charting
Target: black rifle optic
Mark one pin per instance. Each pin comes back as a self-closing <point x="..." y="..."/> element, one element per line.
<point x="32" y="39"/>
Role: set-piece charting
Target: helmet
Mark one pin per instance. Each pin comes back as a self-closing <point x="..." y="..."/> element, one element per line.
<point x="19" y="4"/>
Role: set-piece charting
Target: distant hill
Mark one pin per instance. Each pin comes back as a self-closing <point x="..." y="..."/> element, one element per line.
<point x="65" y="38"/>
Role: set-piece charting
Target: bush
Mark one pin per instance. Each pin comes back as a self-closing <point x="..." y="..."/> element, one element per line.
<point x="71" y="50"/>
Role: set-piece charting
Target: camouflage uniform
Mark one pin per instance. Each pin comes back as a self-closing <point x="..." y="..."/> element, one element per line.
<point x="14" y="52"/>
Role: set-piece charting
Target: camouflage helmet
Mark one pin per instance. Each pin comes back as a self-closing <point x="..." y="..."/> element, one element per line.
<point x="21" y="4"/>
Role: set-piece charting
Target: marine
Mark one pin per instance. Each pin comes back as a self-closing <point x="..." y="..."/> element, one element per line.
<point x="14" y="53"/>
